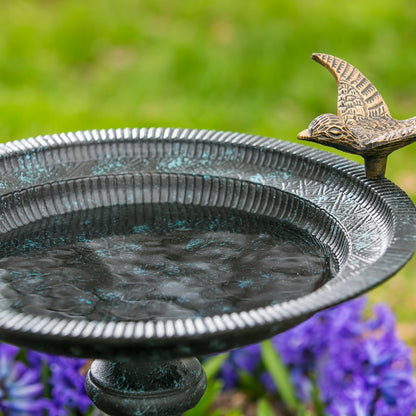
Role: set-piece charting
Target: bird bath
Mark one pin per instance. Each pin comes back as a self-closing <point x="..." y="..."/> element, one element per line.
<point x="143" y="248"/>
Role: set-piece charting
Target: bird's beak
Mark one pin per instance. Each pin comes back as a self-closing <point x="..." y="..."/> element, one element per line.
<point x="305" y="135"/>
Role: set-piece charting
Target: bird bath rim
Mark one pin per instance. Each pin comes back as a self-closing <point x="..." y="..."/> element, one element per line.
<point x="230" y="155"/>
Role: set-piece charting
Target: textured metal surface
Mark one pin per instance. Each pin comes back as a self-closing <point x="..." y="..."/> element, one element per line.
<point x="370" y="226"/>
<point x="214" y="245"/>
<point x="363" y="124"/>
<point x="146" y="388"/>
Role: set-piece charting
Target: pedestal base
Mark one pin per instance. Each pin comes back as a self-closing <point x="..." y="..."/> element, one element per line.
<point x="154" y="388"/>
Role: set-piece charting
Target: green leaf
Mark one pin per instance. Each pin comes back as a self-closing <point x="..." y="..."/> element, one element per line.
<point x="234" y="412"/>
<point x="319" y="406"/>
<point x="279" y="374"/>
<point x="213" y="364"/>
<point x="304" y="412"/>
<point x="250" y="384"/>
<point x="264" y="408"/>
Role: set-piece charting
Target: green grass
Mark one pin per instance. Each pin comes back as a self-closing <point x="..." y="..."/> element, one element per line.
<point x="219" y="64"/>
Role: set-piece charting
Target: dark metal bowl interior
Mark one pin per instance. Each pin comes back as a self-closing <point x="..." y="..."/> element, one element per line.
<point x="136" y="242"/>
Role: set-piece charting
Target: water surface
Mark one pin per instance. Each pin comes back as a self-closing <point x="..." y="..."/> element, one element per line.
<point x="156" y="262"/>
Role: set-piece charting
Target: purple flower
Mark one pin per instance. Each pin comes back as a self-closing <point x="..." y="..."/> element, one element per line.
<point x="66" y="383"/>
<point x="302" y="347"/>
<point x="370" y="374"/>
<point x="242" y="359"/>
<point x="267" y="381"/>
<point x="20" y="387"/>
<point x="359" y="365"/>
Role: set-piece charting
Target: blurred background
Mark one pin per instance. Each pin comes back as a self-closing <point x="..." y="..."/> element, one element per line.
<point x="68" y="65"/>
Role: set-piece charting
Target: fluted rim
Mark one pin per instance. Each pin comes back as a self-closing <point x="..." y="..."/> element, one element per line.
<point x="395" y="209"/>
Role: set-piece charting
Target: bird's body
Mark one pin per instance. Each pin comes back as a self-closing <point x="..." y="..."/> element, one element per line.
<point x="363" y="124"/>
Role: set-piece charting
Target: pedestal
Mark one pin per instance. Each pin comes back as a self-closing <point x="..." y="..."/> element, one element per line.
<point x="162" y="388"/>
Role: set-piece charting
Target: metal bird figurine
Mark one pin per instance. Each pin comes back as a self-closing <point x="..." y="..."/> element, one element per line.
<point x="363" y="125"/>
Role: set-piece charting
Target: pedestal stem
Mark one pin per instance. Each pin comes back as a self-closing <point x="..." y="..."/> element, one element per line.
<point x="154" y="388"/>
<point x="375" y="167"/>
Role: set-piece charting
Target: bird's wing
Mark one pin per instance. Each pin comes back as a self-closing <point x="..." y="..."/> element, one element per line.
<point x="359" y="102"/>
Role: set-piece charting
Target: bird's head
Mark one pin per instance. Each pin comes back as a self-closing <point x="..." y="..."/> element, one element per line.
<point x="330" y="130"/>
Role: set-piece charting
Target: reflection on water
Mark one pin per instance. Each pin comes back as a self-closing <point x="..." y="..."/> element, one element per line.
<point x="156" y="262"/>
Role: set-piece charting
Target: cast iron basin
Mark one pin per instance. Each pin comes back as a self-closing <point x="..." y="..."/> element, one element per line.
<point x="171" y="243"/>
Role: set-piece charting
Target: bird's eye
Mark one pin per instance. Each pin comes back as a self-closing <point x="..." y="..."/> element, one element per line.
<point x="335" y="132"/>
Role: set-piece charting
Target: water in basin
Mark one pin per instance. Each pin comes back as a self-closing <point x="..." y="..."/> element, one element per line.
<point x="157" y="261"/>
